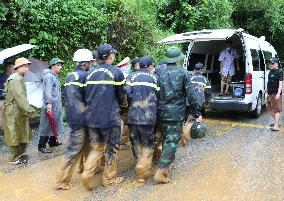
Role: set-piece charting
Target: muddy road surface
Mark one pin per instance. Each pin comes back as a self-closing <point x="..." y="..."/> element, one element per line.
<point x="238" y="160"/>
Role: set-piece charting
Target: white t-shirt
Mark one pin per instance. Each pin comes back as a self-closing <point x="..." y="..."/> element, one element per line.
<point x="228" y="57"/>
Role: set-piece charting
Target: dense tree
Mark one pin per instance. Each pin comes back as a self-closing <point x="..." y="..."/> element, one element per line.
<point x="261" y="18"/>
<point x="183" y="15"/>
<point x="58" y="28"/>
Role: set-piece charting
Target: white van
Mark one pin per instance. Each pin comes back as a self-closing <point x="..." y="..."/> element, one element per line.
<point x="248" y="87"/>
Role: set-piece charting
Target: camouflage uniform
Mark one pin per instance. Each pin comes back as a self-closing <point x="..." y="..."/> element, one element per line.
<point x="175" y="87"/>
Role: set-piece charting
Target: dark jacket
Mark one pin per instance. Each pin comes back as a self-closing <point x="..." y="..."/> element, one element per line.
<point x="202" y="88"/>
<point x="175" y="87"/>
<point x="142" y="91"/>
<point x="105" y="95"/>
<point x="74" y="97"/>
<point x="3" y="78"/>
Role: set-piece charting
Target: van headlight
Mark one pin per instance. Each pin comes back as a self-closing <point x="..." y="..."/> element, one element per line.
<point x="238" y="92"/>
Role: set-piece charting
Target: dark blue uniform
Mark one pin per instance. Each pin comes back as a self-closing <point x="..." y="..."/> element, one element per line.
<point x="142" y="90"/>
<point x="202" y="88"/>
<point x="105" y="97"/>
<point x="74" y="100"/>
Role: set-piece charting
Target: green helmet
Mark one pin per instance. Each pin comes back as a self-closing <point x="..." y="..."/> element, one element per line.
<point x="55" y="61"/>
<point x="198" y="130"/>
<point x="173" y="55"/>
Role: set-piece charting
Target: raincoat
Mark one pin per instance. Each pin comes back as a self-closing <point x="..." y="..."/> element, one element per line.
<point x="52" y="95"/>
<point x="17" y="111"/>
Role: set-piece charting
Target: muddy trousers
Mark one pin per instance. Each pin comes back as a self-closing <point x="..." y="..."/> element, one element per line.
<point x="172" y="134"/>
<point x="142" y="141"/>
<point x="103" y="142"/>
<point x="77" y="149"/>
<point x="17" y="151"/>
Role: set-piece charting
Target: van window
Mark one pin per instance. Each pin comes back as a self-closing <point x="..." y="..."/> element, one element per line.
<point x="255" y="59"/>
<point x="267" y="57"/>
<point x="261" y="59"/>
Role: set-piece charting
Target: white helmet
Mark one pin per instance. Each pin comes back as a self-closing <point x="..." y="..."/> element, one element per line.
<point x="83" y="55"/>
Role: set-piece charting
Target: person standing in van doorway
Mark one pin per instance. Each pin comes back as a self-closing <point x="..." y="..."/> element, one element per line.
<point x="227" y="66"/>
<point x="52" y="102"/>
<point x="274" y="91"/>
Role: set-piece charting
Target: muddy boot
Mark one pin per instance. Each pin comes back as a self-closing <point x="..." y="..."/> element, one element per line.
<point x="63" y="186"/>
<point x="157" y="152"/>
<point x="65" y="174"/>
<point x="144" y="165"/>
<point x="161" y="176"/>
<point x="110" y="172"/>
<point x="90" y="166"/>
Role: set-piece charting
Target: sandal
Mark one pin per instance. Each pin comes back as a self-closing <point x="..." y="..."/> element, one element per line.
<point x="272" y="129"/>
<point x="227" y="93"/>
<point x="221" y="94"/>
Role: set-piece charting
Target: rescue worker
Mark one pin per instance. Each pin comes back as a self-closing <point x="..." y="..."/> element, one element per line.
<point x="135" y="64"/>
<point x="202" y="86"/>
<point x="8" y="70"/>
<point x="74" y="99"/>
<point x="94" y="61"/>
<point x="105" y="99"/>
<point x="125" y="133"/>
<point x="17" y="132"/>
<point x="175" y="88"/>
<point x="227" y="60"/>
<point x="52" y="103"/>
<point x="143" y="96"/>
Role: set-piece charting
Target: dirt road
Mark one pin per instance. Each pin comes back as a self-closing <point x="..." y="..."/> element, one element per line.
<point x="239" y="160"/>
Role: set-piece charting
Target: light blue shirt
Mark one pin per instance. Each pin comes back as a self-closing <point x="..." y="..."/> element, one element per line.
<point x="228" y="58"/>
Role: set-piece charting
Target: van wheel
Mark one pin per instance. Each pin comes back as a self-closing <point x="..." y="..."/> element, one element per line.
<point x="256" y="113"/>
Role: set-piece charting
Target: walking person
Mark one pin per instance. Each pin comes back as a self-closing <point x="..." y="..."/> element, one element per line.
<point x="143" y="92"/>
<point x="17" y="132"/>
<point x="175" y="87"/>
<point x="227" y="59"/>
<point x="105" y="99"/>
<point x="201" y="86"/>
<point x="274" y="91"/>
<point x="74" y="99"/>
<point x="51" y="103"/>
<point x="8" y="70"/>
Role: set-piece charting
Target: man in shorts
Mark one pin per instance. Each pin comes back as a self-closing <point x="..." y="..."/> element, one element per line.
<point x="274" y="91"/>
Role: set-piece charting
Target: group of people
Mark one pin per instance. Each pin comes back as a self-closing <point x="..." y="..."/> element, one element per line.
<point x="97" y="98"/>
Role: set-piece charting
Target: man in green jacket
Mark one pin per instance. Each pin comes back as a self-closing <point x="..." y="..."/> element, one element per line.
<point x="175" y="87"/>
<point x="17" y="132"/>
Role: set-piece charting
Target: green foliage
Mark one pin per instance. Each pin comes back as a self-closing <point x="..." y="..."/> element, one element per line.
<point x="261" y="18"/>
<point x="183" y="16"/>
<point x="58" y="28"/>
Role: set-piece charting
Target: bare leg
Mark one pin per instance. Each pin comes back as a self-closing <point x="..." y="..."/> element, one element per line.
<point x="227" y="87"/>
<point x="222" y="86"/>
<point x="277" y="119"/>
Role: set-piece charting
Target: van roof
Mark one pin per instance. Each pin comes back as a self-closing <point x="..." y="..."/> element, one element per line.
<point x="205" y="35"/>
